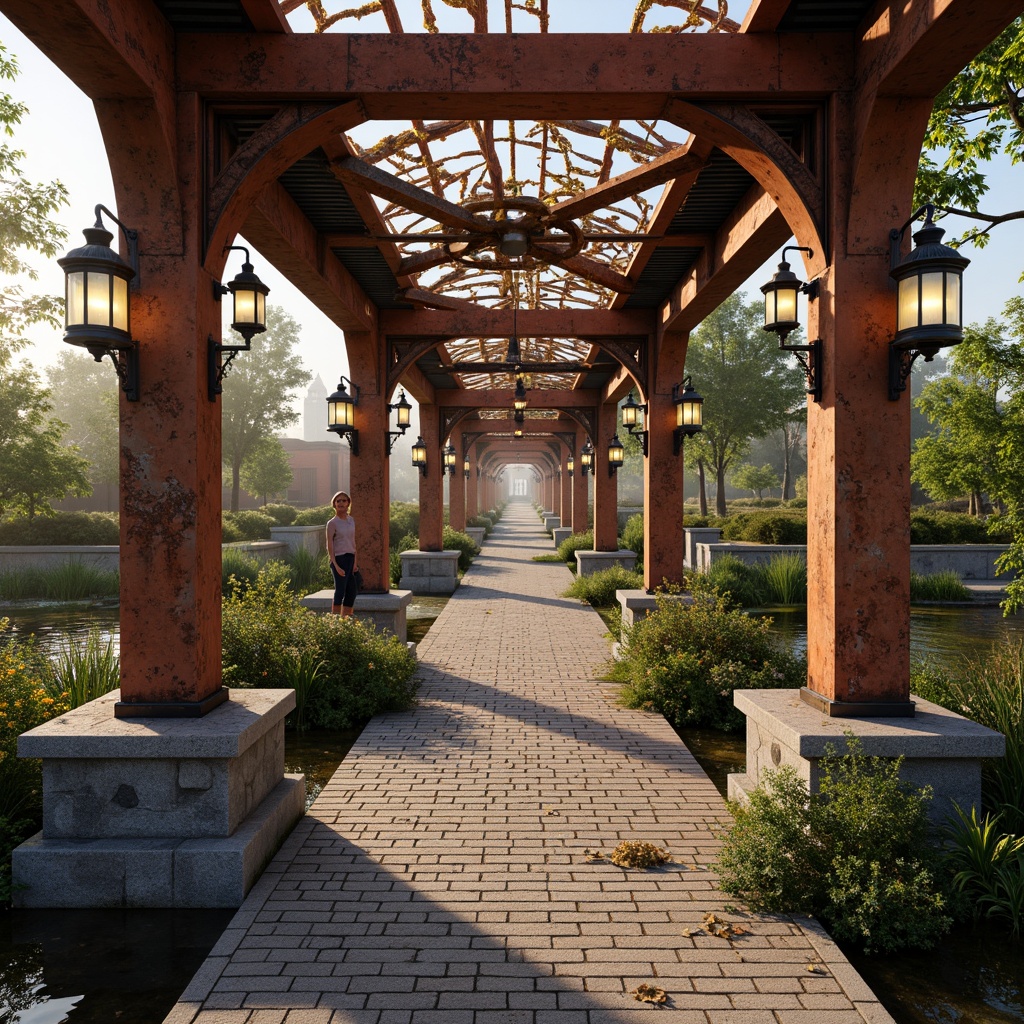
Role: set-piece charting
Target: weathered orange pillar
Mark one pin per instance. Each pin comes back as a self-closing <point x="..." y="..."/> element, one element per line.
<point x="663" y="494"/>
<point x="858" y="442"/>
<point x="606" y="493"/>
<point x="170" y="440"/>
<point x="431" y="484"/>
<point x="579" y="487"/>
<point x="565" y="497"/>
<point x="473" y="483"/>
<point x="370" y="470"/>
<point x="457" y="486"/>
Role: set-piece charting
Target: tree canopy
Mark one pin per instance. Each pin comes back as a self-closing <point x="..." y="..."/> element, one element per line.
<point x="257" y="398"/>
<point x="266" y="471"/>
<point x="749" y="387"/>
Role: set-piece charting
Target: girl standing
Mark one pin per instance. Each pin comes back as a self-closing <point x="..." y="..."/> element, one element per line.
<point x="341" y="549"/>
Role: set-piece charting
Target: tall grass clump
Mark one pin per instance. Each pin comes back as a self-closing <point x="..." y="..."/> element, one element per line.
<point x="265" y="631"/>
<point x="76" y="581"/>
<point x="938" y="586"/>
<point x="237" y="569"/>
<point x="988" y="690"/>
<point x="309" y="571"/>
<point x="21" y="584"/>
<point x="784" y="579"/>
<point x="573" y="543"/>
<point x="85" y="669"/>
<point x="684" y="660"/>
<point x="856" y="853"/>
<point x="598" y="589"/>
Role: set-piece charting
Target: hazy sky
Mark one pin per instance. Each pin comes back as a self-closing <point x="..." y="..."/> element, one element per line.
<point x="61" y="140"/>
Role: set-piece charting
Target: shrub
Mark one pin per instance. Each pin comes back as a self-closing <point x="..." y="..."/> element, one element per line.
<point x="265" y="630"/>
<point x="84" y="670"/>
<point x="736" y="581"/>
<point x="317" y="516"/>
<point x="633" y="535"/>
<point x="598" y="589"/>
<point x="404" y="519"/>
<point x="855" y="853"/>
<point x="410" y="542"/>
<point x="395" y="568"/>
<point x="938" y="586"/>
<point x="573" y="543"/>
<point x="485" y="521"/>
<point x="308" y="571"/>
<point x="456" y="540"/>
<point x="229" y="533"/>
<point x="61" y="528"/>
<point x="252" y="525"/>
<point x="766" y="528"/>
<point x="238" y="570"/>
<point x="947" y="528"/>
<point x="283" y="515"/>
<point x="685" y="661"/>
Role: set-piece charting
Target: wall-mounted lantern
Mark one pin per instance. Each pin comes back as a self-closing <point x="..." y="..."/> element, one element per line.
<point x="419" y="455"/>
<point x="570" y="465"/>
<point x="587" y="458"/>
<point x="929" y="304"/>
<point x="97" y="313"/>
<point x="616" y="455"/>
<point x="450" y="458"/>
<point x="341" y="413"/>
<point x="403" y="408"/>
<point x="689" y="413"/>
<point x="466" y="466"/>
<point x="633" y="415"/>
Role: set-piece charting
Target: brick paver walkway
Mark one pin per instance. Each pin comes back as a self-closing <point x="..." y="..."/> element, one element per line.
<point x="441" y="876"/>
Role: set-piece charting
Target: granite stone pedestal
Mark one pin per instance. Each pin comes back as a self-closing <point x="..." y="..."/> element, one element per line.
<point x="552" y="522"/>
<point x="589" y="562"/>
<point x="562" y="533"/>
<point x="430" y="572"/>
<point x="476" y="534"/>
<point x="940" y="749"/>
<point x="158" y="812"/>
<point x="387" y="613"/>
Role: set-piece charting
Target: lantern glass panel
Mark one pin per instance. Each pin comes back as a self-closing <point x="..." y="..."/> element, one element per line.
<point x="689" y="414"/>
<point x="907" y="305"/>
<point x="340" y="414"/>
<point x="75" y="308"/>
<point x="119" y="314"/>
<point x="403" y="415"/>
<point x="97" y="297"/>
<point x="933" y="294"/>
<point x="780" y="306"/>
<point x="953" y="284"/>
<point x="246" y="306"/>
<point x="629" y="415"/>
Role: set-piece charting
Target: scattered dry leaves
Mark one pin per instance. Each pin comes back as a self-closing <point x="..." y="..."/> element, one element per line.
<point x="634" y="853"/>
<point x="649" y="994"/>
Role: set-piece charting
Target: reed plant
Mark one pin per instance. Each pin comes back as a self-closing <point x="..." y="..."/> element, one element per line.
<point x="938" y="586"/>
<point x="85" y="669"/>
<point x="302" y="670"/>
<point x="21" y="584"/>
<point x="309" y="571"/>
<point x="76" y="581"/>
<point x="784" y="580"/>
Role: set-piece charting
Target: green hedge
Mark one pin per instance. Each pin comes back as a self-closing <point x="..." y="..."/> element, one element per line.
<point x="956" y="528"/>
<point x="283" y="515"/>
<point x="577" y="541"/>
<point x="456" y="540"/>
<point x="61" y="528"/>
<point x="247" y="524"/>
<point x="766" y="528"/>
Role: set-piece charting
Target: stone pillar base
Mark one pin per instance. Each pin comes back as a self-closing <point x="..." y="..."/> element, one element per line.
<point x="476" y="534"/>
<point x="385" y="612"/>
<point x="147" y="812"/>
<point x="560" y="534"/>
<point x="552" y="522"/>
<point x="589" y="562"/>
<point x="430" y="572"/>
<point x="940" y="749"/>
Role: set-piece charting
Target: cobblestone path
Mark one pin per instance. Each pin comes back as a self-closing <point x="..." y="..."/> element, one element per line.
<point x="441" y="876"/>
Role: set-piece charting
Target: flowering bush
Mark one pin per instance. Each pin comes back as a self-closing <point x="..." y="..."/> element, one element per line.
<point x="685" y="660"/>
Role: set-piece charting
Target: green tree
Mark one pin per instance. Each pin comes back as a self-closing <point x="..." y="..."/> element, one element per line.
<point x="257" y="393"/>
<point x="35" y="466"/>
<point x="266" y="471"/>
<point x="969" y="415"/>
<point x="90" y="410"/>
<point x="748" y="386"/>
<point x="977" y="117"/>
<point x="756" y="479"/>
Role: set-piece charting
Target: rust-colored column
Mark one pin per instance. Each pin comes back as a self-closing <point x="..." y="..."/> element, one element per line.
<point x="473" y="483"/>
<point x="370" y="470"/>
<point x="170" y="440"/>
<point x="565" y="497"/>
<point x="580" y="489"/>
<point x="457" y="486"/>
<point x="663" y="495"/>
<point x="431" y="485"/>
<point x="606" y="492"/>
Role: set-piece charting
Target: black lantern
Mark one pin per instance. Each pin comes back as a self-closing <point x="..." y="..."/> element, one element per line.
<point x="402" y="407"/>
<point x="616" y="455"/>
<point x="97" y="313"/>
<point x="517" y="433"/>
<point x="248" y="318"/>
<point x="689" y="413"/>
<point x="419" y="455"/>
<point x="929" y="307"/>
<point x="450" y="458"/>
<point x="781" y="318"/>
<point x="633" y="414"/>
<point x="465" y="466"/>
<point x="587" y="458"/>
<point x="341" y="413"/>
<point x="570" y="465"/>
<point x="519" y="399"/>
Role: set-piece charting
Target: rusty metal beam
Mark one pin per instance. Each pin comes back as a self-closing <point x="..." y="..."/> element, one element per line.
<point x="501" y="398"/>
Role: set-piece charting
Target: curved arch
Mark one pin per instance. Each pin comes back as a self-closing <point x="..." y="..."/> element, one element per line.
<point x="292" y="133"/>
<point x="739" y="133"/>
